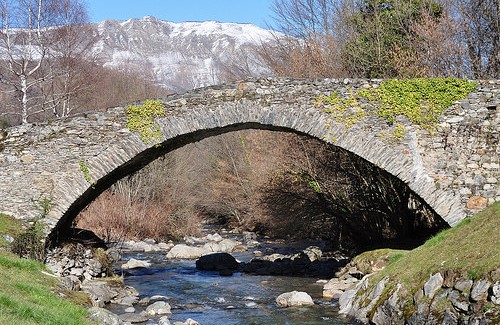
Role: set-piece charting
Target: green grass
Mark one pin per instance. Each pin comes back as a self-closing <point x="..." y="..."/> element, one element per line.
<point x="470" y="250"/>
<point x="26" y="295"/>
<point x="377" y="258"/>
<point x="8" y="226"/>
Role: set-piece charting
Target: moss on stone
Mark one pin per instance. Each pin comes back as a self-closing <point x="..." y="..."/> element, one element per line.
<point x="420" y="100"/>
<point x="141" y="120"/>
<point x="84" y="167"/>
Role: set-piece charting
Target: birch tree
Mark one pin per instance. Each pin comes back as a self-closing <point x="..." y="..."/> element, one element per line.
<point x="31" y="40"/>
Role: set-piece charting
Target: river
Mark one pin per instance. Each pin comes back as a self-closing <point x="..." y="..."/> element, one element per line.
<point x="241" y="298"/>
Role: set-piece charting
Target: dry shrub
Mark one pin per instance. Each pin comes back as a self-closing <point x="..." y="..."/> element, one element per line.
<point x="276" y="183"/>
<point x="314" y="57"/>
<point x="113" y="217"/>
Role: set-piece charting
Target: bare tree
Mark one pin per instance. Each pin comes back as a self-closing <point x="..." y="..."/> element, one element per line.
<point x="31" y="29"/>
<point x="482" y="33"/>
<point x="436" y="49"/>
<point x="71" y="71"/>
<point x="312" y="34"/>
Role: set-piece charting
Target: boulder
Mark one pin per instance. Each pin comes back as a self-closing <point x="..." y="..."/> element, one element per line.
<point x="102" y="316"/>
<point x="158" y="308"/>
<point x="133" y="264"/>
<point x="187" y="252"/>
<point x="130" y="318"/>
<point x="217" y="262"/>
<point x="389" y="311"/>
<point x="224" y="246"/>
<point x="335" y="287"/>
<point x="127" y="296"/>
<point x="213" y="237"/>
<point x="250" y="239"/>
<point x="459" y="301"/>
<point x="165" y="246"/>
<point x="463" y="285"/>
<point x="70" y="282"/>
<point x="99" y="292"/>
<point x="449" y="318"/>
<point x="314" y="253"/>
<point x="294" y="298"/>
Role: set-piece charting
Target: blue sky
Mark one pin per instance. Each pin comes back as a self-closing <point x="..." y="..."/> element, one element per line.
<point x="239" y="11"/>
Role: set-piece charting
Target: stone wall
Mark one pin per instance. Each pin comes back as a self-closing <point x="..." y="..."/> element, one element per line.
<point x="455" y="170"/>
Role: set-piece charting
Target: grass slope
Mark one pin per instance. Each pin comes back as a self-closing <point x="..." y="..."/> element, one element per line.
<point x="27" y="296"/>
<point x="471" y="249"/>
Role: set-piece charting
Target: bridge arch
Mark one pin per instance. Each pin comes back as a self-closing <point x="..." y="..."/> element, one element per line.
<point x="72" y="161"/>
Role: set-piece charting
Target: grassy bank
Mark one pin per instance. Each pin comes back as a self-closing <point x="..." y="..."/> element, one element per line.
<point x="470" y="250"/>
<point x="27" y="296"/>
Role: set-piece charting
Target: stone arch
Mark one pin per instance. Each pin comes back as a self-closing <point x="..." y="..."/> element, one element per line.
<point x="130" y="154"/>
<point x="46" y="160"/>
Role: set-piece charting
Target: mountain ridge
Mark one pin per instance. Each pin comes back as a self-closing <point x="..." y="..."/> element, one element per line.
<point x="181" y="56"/>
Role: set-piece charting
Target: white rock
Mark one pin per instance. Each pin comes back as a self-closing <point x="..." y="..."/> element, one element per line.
<point x="215" y="237"/>
<point x="158" y="308"/>
<point x="184" y="251"/>
<point x="164" y="321"/>
<point x="465" y="191"/>
<point x="335" y="287"/>
<point x="294" y="298"/>
<point x="433" y="284"/>
<point x="158" y="298"/>
<point x="133" y="264"/>
<point x="224" y="246"/>
<point x="103" y="316"/>
<point x="165" y="246"/>
<point x="150" y="241"/>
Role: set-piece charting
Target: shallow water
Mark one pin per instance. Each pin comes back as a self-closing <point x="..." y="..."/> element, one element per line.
<point x="210" y="298"/>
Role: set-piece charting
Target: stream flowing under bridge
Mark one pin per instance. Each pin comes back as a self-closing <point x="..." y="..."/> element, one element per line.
<point x="69" y="162"/>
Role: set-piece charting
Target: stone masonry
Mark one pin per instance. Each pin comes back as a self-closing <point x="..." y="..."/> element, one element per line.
<point x="455" y="169"/>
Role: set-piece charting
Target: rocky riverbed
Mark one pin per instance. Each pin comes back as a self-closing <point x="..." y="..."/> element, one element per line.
<point x="236" y="278"/>
<point x="242" y="279"/>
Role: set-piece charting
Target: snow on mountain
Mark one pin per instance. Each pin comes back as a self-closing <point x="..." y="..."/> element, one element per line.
<point x="181" y="56"/>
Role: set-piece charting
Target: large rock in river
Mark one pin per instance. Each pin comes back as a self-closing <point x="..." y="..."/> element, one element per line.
<point x="185" y="251"/>
<point x="217" y="262"/>
<point x="294" y="298"/>
<point x="134" y="264"/>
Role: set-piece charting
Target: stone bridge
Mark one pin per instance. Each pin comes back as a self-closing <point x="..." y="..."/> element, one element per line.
<point x="69" y="162"/>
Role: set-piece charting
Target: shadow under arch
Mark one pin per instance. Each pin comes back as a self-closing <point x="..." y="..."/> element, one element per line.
<point x="59" y="232"/>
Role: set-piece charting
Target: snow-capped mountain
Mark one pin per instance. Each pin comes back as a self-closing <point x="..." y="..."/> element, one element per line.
<point x="181" y="56"/>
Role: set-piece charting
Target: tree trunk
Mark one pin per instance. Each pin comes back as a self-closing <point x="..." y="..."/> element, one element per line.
<point x="24" y="99"/>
